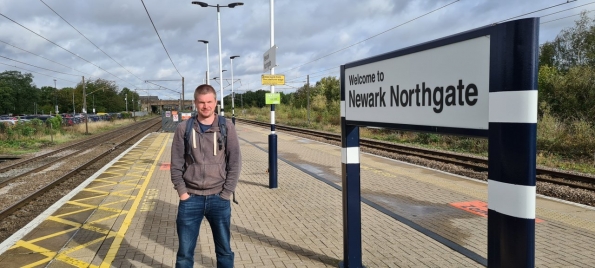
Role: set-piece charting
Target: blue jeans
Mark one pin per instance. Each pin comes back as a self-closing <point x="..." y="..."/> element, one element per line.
<point x="190" y="213"/>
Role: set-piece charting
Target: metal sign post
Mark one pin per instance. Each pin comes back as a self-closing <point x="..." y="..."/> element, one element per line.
<point x="479" y="83"/>
<point x="273" y="135"/>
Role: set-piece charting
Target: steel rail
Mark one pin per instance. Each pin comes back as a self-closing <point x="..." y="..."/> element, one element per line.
<point x="79" y="150"/>
<point x="13" y="208"/>
<point x="74" y="145"/>
<point x="471" y="162"/>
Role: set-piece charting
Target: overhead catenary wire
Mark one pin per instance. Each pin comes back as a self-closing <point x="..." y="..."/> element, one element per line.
<point x="383" y="32"/>
<point x="89" y="40"/>
<point x="65" y="49"/>
<point x="567" y="2"/>
<point x="172" y="62"/>
<point x="310" y="74"/>
<point x="89" y="75"/>
<point x="162" y="86"/>
<point x="37" y="72"/>
<point x="566" y="9"/>
<point x="546" y="8"/>
<point x="565" y="17"/>
<point x="37" y="66"/>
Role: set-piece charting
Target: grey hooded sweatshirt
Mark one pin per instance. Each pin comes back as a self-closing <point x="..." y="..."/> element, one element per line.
<point x="210" y="174"/>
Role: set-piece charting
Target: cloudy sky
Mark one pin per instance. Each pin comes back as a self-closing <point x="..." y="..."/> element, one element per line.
<point x="115" y="40"/>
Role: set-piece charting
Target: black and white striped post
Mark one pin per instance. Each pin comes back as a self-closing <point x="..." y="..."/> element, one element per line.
<point x="273" y="135"/>
<point x="512" y="146"/>
<point x="350" y="166"/>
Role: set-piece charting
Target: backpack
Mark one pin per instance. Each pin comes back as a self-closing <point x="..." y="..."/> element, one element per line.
<point x="188" y="148"/>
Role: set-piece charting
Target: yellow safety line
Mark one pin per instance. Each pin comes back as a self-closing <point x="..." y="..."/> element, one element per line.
<point x="111" y="254"/>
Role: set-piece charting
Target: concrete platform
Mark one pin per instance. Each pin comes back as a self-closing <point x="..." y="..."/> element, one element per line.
<point x="124" y="216"/>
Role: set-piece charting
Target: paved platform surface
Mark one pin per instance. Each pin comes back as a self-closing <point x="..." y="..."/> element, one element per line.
<point x="125" y="217"/>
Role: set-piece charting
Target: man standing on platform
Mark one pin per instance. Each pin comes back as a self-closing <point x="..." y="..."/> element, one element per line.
<point x="205" y="168"/>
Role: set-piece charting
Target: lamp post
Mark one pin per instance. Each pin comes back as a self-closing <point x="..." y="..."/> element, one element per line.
<point x="233" y="113"/>
<point x="207" y="43"/>
<point x="232" y="5"/>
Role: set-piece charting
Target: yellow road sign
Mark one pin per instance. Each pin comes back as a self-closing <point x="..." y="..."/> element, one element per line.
<point x="273" y="79"/>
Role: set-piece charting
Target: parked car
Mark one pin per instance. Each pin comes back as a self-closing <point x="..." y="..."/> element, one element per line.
<point x="8" y="121"/>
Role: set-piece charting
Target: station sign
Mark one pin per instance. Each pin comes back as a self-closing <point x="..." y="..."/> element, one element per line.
<point x="480" y="83"/>
<point x="445" y="86"/>
<point x="273" y="79"/>
<point x="273" y="98"/>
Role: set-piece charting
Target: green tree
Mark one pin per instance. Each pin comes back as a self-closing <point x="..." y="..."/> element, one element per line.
<point x="330" y="88"/>
<point x="566" y="78"/>
<point x="570" y="94"/>
<point x="128" y="96"/>
<point x="6" y="99"/>
<point x="24" y="93"/>
<point x="574" y="46"/>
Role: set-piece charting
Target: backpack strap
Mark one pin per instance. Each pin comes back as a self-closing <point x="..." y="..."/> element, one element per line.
<point x="223" y="130"/>
<point x="187" y="148"/>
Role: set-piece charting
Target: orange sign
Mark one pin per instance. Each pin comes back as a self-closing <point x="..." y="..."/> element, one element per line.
<point x="165" y="166"/>
<point x="477" y="207"/>
<point x="186" y="116"/>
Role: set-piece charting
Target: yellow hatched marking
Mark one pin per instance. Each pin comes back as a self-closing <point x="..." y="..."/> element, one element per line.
<point x="104" y="181"/>
<point x="36" y="248"/>
<point x="38" y="263"/>
<point x="116" y="202"/>
<point x="125" y="193"/>
<point x="111" y="254"/>
<point x="92" y="207"/>
<point x="134" y="173"/>
<point x="131" y="183"/>
<point x="95" y="191"/>
<point x="72" y="261"/>
<point x="106" y="218"/>
<point x="118" y="167"/>
<point x="82" y="246"/>
<point x="89" y="227"/>
<point x="65" y="221"/>
<point x="114" y="172"/>
<point x="89" y="198"/>
<point x="74" y="212"/>
<point x="76" y="225"/>
<point x="122" y="194"/>
<point x="48" y="236"/>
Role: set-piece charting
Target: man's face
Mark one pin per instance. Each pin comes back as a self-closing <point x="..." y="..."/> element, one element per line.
<point x="205" y="103"/>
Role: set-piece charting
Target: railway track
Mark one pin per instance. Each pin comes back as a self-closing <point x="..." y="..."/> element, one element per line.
<point x="480" y="164"/>
<point x="8" y="158"/>
<point x="92" y="155"/>
<point x="43" y="161"/>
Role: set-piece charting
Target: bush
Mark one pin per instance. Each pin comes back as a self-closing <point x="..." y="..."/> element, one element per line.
<point x="55" y="122"/>
<point x="569" y="138"/>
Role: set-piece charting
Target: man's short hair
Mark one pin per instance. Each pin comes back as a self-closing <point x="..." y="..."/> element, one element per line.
<point x="204" y="89"/>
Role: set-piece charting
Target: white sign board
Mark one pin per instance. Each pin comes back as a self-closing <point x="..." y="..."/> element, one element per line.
<point x="270" y="59"/>
<point x="447" y="86"/>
